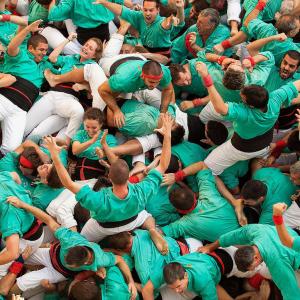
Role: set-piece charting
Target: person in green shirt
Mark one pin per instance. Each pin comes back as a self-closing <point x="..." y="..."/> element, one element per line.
<point x="70" y="255"/>
<point x="261" y="244"/>
<point x="203" y="36"/>
<point x="267" y="187"/>
<point x="154" y="30"/>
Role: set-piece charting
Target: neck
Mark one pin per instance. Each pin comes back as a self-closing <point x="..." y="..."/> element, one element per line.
<point x="121" y="191"/>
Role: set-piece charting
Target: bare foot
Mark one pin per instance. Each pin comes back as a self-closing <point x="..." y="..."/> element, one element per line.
<point x="50" y="77"/>
<point x="160" y="243"/>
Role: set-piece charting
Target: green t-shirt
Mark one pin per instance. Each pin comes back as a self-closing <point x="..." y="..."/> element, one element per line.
<point x="279" y="189"/>
<point x="280" y="260"/>
<point x="82" y="136"/>
<point x="69" y="239"/>
<point x="251" y="122"/>
<point x="296" y="244"/>
<point x="212" y="209"/>
<point x="106" y="207"/>
<point x="37" y="12"/>
<point x="67" y="63"/>
<point x="7" y="29"/>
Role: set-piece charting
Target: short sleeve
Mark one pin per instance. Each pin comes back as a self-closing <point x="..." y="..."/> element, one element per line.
<point x="236" y="112"/>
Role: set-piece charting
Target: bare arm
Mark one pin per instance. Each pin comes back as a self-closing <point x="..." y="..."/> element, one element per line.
<point x="167" y="97"/>
<point x="12" y="249"/>
<point x="148" y="291"/>
<point x="15" y="19"/>
<point x="28" y="143"/>
<point x="109" y="96"/>
<point x="78" y="147"/>
<point x="107" y="150"/>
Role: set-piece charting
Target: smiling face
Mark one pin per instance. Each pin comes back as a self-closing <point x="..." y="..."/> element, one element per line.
<point x="44" y="171"/>
<point x="88" y="50"/>
<point x="150" y="11"/>
<point x="39" y="52"/>
<point x="91" y="126"/>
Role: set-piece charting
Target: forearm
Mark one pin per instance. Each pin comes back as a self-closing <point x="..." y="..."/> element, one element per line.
<point x="284" y="236"/>
<point x="212" y="57"/>
<point x="239" y="38"/>
<point x="18" y="20"/>
<point x="57" y="51"/>
<point x="6" y="257"/>
<point x="253" y="15"/>
<point x="165" y="154"/>
<point x="113" y="7"/>
<point x="225" y="192"/>
<point x="255" y="46"/>
<point x="111" y="156"/>
<point x="109" y="99"/>
<point x="6" y="283"/>
<point x="167" y="97"/>
<point x="259" y="58"/>
<point x="78" y="147"/>
<point x="180" y="14"/>
<point x="124" y="269"/>
<point x="194" y="168"/>
<point x="13" y="46"/>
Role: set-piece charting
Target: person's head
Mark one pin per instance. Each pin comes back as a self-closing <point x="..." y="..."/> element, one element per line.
<point x="174" y="165"/>
<point x="254" y="192"/>
<point x="234" y="76"/>
<point x="48" y="175"/>
<point x="247" y="258"/>
<point x="180" y="76"/>
<point x="295" y="173"/>
<point x="152" y="74"/>
<point x="86" y="289"/>
<point x="119" y="172"/>
<point x="121" y="241"/>
<point x="37" y="45"/>
<point x="293" y="142"/>
<point x="45" y="3"/>
<point x="127" y="49"/>
<point x="92" y="49"/>
<point x="288" y="24"/>
<point x="216" y="132"/>
<point x="255" y="96"/>
<point x="177" y="134"/>
<point x="208" y="20"/>
<point x="197" y="6"/>
<point x="79" y="256"/>
<point x="29" y="161"/>
<point x="176" y="277"/>
<point x="150" y="10"/>
<point x="289" y="64"/>
<point x="93" y="120"/>
<point x="183" y="199"/>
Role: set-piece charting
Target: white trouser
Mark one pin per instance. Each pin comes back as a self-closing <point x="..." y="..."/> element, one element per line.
<point x="13" y="120"/>
<point x="22" y="7"/>
<point x="169" y="294"/>
<point x="40" y="121"/>
<point x="226" y="155"/>
<point x="95" y="76"/>
<point x="22" y="245"/>
<point x="55" y="38"/>
<point x="292" y="216"/>
<point x="150" y="97"/>
<point x="93" y="232"/>
<point x="33" y="279"/>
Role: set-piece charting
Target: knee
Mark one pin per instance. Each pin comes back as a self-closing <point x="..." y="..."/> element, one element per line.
<point x="77" y="111"/>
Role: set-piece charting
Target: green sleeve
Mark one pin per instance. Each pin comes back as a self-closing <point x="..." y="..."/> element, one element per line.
<point x="285" y="94"/>
<point x="166" y="80"/>
<point x="111" y="141"/>
<point x="258" y="29"/>
<point x="296" y="244"/>
<point x="176" y="229"/>
<point x="236" y="112"/>
<point x="62" y="11"/>
<point x="62" y="60"/>
<point x="90" y="199"/>
<point x="9" y="162"/>
<point x="67" y="236"/>
<point x="131" y="16"/>
<point x="207" y="291"/>
<point x="236" y="237"/>
<point x="178" y="50"/>
<point x="118" y="83"/>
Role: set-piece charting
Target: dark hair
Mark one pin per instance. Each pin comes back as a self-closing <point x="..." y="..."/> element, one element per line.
<point x="81" y="214"/>
<point x="182" y="198"/>
<point x="213" y="14"/>
<point x="99" y="49"/>
<point x="216" y="132"/>
<point x="256" y="96"/>
<point x="294" y="54"/>
<point x="173" y="165"/>
<point x="152" y="68"/>
<point x="44" y="2"/>
<point x="254" y="189"/>
<point x="244" y="258"/>
<point x="286" y="23"/>
<point x="35" y="40"/>
<point x="53" y="179"/>
<point x="85" y="290"/>
<point x="293" y="142"/>
<point x="119" y="172"/>
<point x="177" y="135"/>
<point x="31" y="154"/>
<point x="175" y="69"/>
<point x="101" y="182"/>
<point x="94" y="113"/>
<point x="157" y="2"/>
<point x="119" y="241"/>
<point x="77" y="255"/>
<point x="233" y="79"/>
<point x="172" y="272"/>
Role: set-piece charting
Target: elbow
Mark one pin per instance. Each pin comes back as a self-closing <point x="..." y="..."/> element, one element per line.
<point x="52" y="59"/>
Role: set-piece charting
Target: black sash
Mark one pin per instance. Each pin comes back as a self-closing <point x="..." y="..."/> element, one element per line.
<point x="117" y="223"/>
<point x="101" y="32"/>
<point x="66" y="88"/>
<point x="117" y="63"/>
<point x="196" y="129"/>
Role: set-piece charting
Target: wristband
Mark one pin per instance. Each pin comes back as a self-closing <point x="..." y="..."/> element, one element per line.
<point x="278" y="220"/>
<point x="197" y="102"/>
<point x="179" y="176"/>
<point x="207" y="80"/>
<point x="134" y="179"/>
<point x="251" y="59"/>
<point x="5" y="18"/>
<point x="220" y="59"/>
<point x="260" y="5"/>
<point x="226" y="44"/>
<point x="188" y="45"/>
<point x="16" y="268"/>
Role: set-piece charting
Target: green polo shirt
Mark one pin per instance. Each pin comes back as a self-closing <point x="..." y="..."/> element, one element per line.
<point x="83" y="13"/>
<point x="13" y="220"/>
<point x="212" y="208"/>
<point x="203" y="275"/>
<point x="127" y="78"/>
<point x="7" y="29"/>
<point x="37" y="12"/>
<point x="279" y="189"/>
<point x="82" y="136"/>
<point x="296" y="244"/>
<point x="179" y="52"/>
<point x="257" y="29"/>
<point x="251" y="122"/>
<point x="280" y="260"/>
<point x="69" y="239"/>
<point x="106" y="207"/>
<point x="67" y="63"/>
<point x="152" y="35"/>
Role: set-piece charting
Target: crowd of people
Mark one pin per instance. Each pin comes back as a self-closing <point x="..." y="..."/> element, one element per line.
<point x="149" y="149"/>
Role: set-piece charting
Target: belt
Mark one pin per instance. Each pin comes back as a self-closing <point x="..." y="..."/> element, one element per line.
<point x="35" y="231"/>
<point x="117" y="223"/>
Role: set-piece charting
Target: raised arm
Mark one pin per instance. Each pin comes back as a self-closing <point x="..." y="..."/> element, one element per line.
<point x="167" y="97"/>
<point x="13" y="19"/>
<point x="255" y="12"/>
<point x="113" y="7"/>
<point x="107" y="150"/>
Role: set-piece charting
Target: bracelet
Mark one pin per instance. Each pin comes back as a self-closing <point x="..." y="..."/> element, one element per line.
<point x="5" y="18"/>
<point x="260" y="5"/>
<point x="134" y="179"/>
<point x="207" y="80"/>
<point x="251" y="59"/>
<point x="278" y="220"/>
<point x="179" y="176"/>
<point x="16" y="268"/>
<point x="197" y="102"/>
<point x="226" y="44"/>
<point x="220" y="60"/>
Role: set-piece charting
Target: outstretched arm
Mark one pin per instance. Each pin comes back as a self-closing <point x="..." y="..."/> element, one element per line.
<point x="113" y="7"/>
